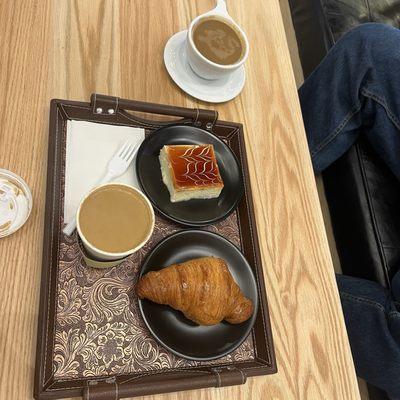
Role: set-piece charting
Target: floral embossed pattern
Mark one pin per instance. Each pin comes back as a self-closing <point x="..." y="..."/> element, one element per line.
<point x="99" y="330"/>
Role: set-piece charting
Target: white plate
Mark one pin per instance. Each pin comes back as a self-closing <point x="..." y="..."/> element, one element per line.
<point x="213" y="91"/>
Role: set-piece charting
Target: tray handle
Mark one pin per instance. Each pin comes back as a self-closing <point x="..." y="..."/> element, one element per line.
<point x="101" y="390"/>
<point x="109" y="389"/>
<point x="110" y="105"/>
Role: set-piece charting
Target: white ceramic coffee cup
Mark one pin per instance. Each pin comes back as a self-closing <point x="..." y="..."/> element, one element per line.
<point x="201" y="65"/>
<point x="101" y="255"/>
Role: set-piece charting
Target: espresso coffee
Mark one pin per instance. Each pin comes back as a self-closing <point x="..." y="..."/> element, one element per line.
<point x="115" y="219"/>
<point x="218" y="41"/>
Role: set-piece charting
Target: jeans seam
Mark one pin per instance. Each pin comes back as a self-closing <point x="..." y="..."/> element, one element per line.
<point x="336" y="132"/>
<point x="382" y="102"/>
<point x="362" y="300"/>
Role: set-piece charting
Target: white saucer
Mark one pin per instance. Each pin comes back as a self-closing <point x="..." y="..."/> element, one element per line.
<point x="213" y="91"/>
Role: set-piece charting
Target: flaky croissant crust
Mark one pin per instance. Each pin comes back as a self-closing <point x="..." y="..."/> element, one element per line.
<point x="203" y="289"/>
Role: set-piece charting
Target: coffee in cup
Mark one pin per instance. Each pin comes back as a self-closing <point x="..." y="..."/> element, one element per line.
<point x="114" y="221"/>
<point x="216" y="46"/>
<point x="218" y="40"/>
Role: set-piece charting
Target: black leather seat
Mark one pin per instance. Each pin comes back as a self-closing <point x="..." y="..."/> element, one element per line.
<point x="362" y="193"/>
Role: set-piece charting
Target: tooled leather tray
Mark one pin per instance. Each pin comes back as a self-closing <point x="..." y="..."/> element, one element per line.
<point x="92" y="341"/>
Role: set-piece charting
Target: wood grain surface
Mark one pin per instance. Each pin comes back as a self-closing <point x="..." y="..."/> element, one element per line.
<point x="69" y="49"/>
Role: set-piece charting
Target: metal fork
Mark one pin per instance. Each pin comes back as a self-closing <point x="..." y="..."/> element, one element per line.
<point x="116" y="167"/>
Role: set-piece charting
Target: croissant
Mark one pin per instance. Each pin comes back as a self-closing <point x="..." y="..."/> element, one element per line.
<point x="203" y="289"/>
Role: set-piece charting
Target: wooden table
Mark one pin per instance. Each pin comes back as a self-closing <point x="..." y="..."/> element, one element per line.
<point x="69" y="49"/>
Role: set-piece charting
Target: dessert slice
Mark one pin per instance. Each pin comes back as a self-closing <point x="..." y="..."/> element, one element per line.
<point x="190" y="172"/>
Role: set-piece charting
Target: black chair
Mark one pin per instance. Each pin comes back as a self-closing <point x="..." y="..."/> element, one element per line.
<point x="362" y="193"/>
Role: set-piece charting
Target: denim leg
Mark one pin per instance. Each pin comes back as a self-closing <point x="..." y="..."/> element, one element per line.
<point x="355" y="89"/>
<point x="373" y="326"/>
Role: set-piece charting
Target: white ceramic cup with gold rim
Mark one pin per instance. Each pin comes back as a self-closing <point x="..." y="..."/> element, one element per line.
<point x="95" y="253"/>
<point x="201" y="65"/>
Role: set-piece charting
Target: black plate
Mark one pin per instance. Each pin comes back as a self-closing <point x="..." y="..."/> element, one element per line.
<point x="170" y="327"/>
<point x="192" y="212"/>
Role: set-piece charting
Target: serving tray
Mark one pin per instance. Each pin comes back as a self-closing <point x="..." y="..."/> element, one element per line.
<point x="92" y="341"/>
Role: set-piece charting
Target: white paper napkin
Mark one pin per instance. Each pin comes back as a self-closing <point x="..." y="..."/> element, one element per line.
<point x="90" y="146"/>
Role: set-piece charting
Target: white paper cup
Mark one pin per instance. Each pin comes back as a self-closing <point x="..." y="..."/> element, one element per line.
<point x="201" y="65"/>
<point x="100" y="255"/>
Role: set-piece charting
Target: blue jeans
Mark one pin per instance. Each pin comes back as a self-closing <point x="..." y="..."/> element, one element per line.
<point x="356" y="90"/>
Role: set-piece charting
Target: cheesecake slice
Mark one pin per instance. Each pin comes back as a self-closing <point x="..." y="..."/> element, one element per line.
<point x="190" y="172"/>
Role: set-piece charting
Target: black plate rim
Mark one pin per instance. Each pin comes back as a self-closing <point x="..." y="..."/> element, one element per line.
<point x="186" y="222"/>
<point x="256" y="306"/>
